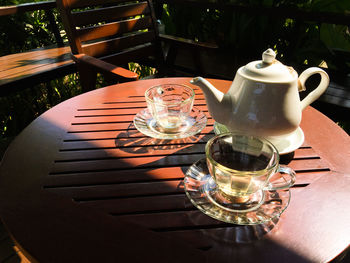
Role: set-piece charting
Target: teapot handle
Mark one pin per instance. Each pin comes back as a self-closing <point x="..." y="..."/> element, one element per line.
<point x="316" y="93"/>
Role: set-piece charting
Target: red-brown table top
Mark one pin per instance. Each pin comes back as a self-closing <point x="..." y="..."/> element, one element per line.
<point x="81" y="184"/>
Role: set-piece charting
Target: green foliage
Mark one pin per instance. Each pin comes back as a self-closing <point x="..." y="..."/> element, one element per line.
<point x="19" y="109"/>
<point x="23" y="31"/>
<point x="345" y="125"/>
<point x="141" y="70"/>
<point x="245" y="36"/>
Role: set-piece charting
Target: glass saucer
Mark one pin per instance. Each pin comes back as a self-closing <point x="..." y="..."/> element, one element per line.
<point x="201" y="189"/>
<point x="285" y="144"/>
<point x="192" y="125"/>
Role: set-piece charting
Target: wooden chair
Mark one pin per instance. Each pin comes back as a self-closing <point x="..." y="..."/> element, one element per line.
<point x="105" y="35"/>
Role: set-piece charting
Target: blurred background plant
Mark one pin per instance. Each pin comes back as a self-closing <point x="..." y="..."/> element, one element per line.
<point x="241" y="36"/>
<point x="22" y="32"/>
<point x="245" y="35"/>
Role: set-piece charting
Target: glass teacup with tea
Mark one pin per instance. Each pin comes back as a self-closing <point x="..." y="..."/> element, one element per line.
<point x="170" y="105"/>
<point x="243" y="169"/>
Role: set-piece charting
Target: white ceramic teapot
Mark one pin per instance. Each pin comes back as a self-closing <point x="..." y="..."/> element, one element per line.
<point x="263" y="99"/>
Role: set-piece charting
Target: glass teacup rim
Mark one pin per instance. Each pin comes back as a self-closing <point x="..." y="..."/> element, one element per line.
<point x="275" y="166"/>
<point x="170" y="84"/>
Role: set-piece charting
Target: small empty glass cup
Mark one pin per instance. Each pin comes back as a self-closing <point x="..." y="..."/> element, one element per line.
<point x="170" y="106"/>
<point x="243" y="167"/>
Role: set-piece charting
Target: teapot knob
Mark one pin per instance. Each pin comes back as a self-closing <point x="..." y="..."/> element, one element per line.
<point x="269" y="56"/>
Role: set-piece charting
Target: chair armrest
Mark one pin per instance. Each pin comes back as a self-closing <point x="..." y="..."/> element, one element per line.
<point x="187" y="42"/>
<point x="105" y="67"/>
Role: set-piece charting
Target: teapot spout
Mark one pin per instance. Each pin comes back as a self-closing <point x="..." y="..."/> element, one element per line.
<point x="219" y="104"/>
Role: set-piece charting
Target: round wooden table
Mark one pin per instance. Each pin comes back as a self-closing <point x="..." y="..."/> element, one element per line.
<point x="81" y="184"/>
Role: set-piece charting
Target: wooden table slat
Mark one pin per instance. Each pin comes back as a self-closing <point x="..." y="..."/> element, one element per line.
<point x="96" y="192"/>
<point x="124" y="126"/>
<point x="152" y="204"/>
<point x="115" y="176"/>
<point x="173" y="220"/>
<point x="126" y="104"/>
<point x="160" y="161"/>
<point x="128" y="142"/>
<point x="129" y="149"/>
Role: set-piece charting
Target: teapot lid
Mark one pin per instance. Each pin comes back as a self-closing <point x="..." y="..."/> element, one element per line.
<point x="268" y="69"/>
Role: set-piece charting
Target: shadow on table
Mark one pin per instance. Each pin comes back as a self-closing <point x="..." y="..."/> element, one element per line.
<point x="130" y="140"/>
<point x="225" y="238"/>
<point x="133" y="141"/>
<point x="226" y="242"/>
<point x="231" y="234"/>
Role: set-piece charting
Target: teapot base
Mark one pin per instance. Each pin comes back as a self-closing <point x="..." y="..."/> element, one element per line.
<point x="285" y="144"/>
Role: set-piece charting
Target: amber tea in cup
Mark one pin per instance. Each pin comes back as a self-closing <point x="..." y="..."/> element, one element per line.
<point x="170" y="105"/>
<point x="243" y="165"/>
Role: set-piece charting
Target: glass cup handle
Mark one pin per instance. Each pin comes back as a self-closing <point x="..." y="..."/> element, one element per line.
<point x="286" y="184"/>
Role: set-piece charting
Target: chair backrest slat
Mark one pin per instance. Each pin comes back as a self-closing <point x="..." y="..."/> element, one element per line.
<point x="107" y="14"/>
<point x="74" y="4"/>
<point x="115" y="28"/>
<point x="101" y="28"/>
<point x="109" y="46"/>
<point x="137" y="53"/>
